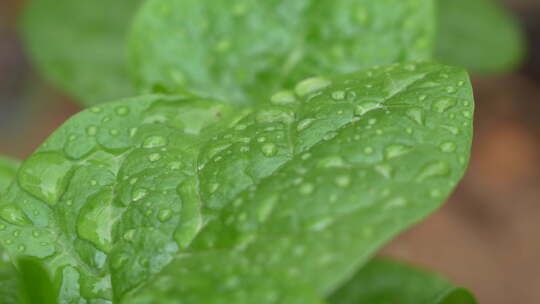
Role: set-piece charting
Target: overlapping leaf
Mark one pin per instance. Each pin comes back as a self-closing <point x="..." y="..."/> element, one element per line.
<point x="479" y="35"/>
<point x="384" y="281"/>
<point x="79" y="45"/>
<point x="241" y="51"/>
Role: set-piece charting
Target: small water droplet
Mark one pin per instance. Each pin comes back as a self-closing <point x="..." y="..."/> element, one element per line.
<point x="434" y="169"/>
<point x="450" y="90"/>
<point x="417" y="115"/>
<point x="139" y="194"/>
<point x="283" y="97"/>
<point x="21" y="248"/>
<point x="311" y="85"/>
<point x="96" y="109"/>
<point x="122" y="111"/>
<point x="343" y="181"/>
<point x="363" y="108"/>
<point x="164" y="215"/>
<point x="113" y="132"/>
<point x="91" y="130"/>
<point x="368" y="150"/>
<point x="269" y="149"/>
<point x="394" y="151"/>
<point x="307" y="189"/>
<point x="385" y="170"/>
<point x="396" y="202"/>
<point x="467" y="114"/>
<point x="448" y="147"/>
<point x="304" y="124"/>
<point x="443" y="105"/>
<point x="154" y="157"/>
<point x="338" y="95"/>
<point x="154" y="141"/>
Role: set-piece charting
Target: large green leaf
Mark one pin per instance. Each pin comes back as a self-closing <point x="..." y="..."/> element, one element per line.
<point x="243" y="50"/>
<point x="8" y="274"/>
<point x="79" y="45"/>
<point x="480" y="35"/>
<point x="327" y="181"/>
<point x="384" y="281"/>
<point x="283" y="201"/>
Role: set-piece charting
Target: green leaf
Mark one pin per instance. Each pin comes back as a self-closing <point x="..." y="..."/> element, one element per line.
<point x="480" y="35"/>
<point x="384" y="281"/>
<point x="163" y="198"/>
<point x="36" y="285"/>
<point x="8" y="274"/>
<point x="321" y="184"/>
<point x="243" y="51"/>
<point x="79" y="45"/>
<point x="107" y="191"/>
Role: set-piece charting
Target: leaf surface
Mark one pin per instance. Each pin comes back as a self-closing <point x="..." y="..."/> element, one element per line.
<point x="384" y="281"/>
<point x="303" y="194"/>
<point x="243" y="51"/>
<point x="79" y="46"/>
<point x="480" y="35"/>
<point x="163" y="198"/>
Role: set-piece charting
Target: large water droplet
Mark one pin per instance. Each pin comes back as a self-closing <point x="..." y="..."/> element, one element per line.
<point x="304" y="124"/>
<point x="14" y="215"/>
<point x="311" y="85"/>
<point x="45" y="175"/>
<point x="96" y="220"/>
<point x="343" y="181"/>
<point x="434" y="169"/>
<point x="283" y="97"/>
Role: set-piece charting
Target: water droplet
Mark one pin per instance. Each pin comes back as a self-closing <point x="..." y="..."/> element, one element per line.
<point x="443" y="105"/>
<point x="368" y="150"/>
<point x="452" y="129"/>
<point x="434" y="169"/>
<point x="122" y="111"/>
<point x="113" y="132"/>
<point x="96" y="109"/>
<point x="333" y="161"/>
<point x="363" y="108"/>
<point x="36" y="233"/>
<point x="269" y="149"/>
<point x="91" y="130"/>
<point x="274" y="115"/>
<point x="307" y="189"/>
<point x="164" y="215"/>
<point x="467" y="114"/>
<point x="435" y="193"/>
<point x="154" y="157"/>
<point x="311" y="85"/>
<point x="448" y="147"/>
<point x="338" y="95"/>
<point x="94" y="222"/>
<point x="21" y="248"/>
<point x="155" y="141"/>
<point x="45" y="175"/>
<point x="304" y="124"/>
<point x="450" y="90"/>
<point x="343" y="181"/>
<point x="396" y="202"/>
<point x="417" y="115"/>
<point x="139" y="194"/>
<point x="266" y="207"/>
<point x="330" y="135"/>
<point x="394" y="151"/>
<point x="14" y="215"/>
<point x="283" y="97"/>
<point x="385" y="170"/>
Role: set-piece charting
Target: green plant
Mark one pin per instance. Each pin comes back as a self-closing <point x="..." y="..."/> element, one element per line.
<point x="231" y="179"/>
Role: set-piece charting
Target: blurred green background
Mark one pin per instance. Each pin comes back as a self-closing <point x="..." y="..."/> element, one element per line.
<point x="485" y="238"/>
